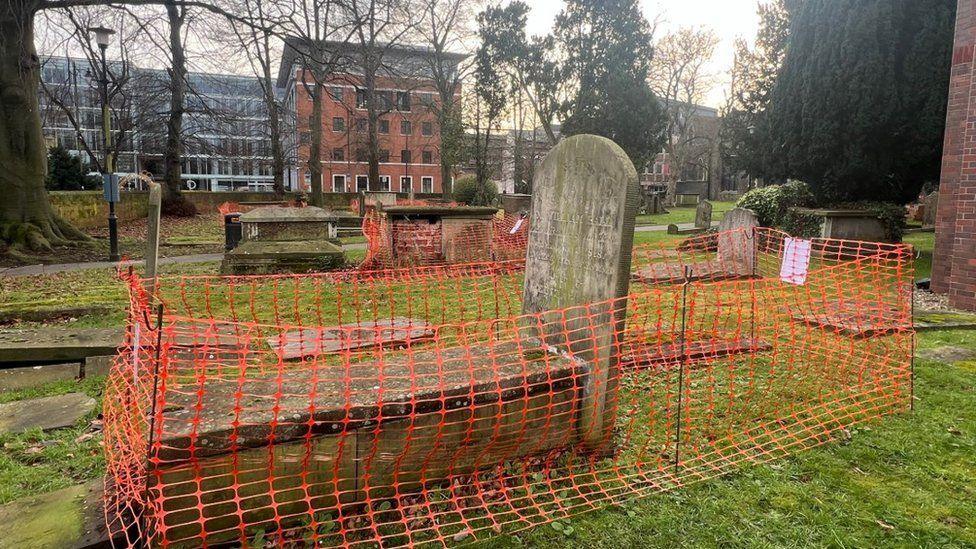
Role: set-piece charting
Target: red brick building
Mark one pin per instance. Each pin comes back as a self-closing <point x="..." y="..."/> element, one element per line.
<point x="408" y="132"/>
<point x="954" y="261"/>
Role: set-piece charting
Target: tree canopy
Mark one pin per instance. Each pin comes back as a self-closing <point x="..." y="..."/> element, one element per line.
<point x="858" y="107"/>
<point x="608" y="48"/>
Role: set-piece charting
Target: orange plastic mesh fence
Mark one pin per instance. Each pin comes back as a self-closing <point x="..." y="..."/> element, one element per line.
<point x="419" y="407"/>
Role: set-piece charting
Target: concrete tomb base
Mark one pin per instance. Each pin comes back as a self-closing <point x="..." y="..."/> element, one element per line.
<point x="297" y="256"/>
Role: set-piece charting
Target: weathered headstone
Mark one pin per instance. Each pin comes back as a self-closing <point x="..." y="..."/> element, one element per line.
<point x="930" y="208"/>
<point x="736" y="240"/>
<point x="584" y="203"/>
<point x="703" y="215"/>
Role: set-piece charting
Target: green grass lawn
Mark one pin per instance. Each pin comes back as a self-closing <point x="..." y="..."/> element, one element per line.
<point x="684" y="214"/>
<point x="924" y="245"/>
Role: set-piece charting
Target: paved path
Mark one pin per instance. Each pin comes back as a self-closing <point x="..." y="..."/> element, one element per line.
<point x="31" y="270"/>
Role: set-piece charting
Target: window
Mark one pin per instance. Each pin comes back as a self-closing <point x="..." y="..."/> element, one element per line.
<point x="403" y="101"/>
<point x="427" y="157"/>
<point x="361" y="125"/>
<point x="305" y="138"/>
<point x="384" y="126"/>
<point x="338" y="154"/>
<point x="405" y="156"/>
<point x="360" y="99"/>
<point x="385" y="100"/>
<point x="361" y="155"/>
<point x="384" y="155"/>
<point x="427" y="129"/>
<point x="362" y="183"/>
<point x="426" y="184"/>
<point x="406" y="183"/>
<point x="384" y="183"/>
<point x="338" y="124"/>
<point x="406" y="128"/>
<point x="338" y="183"/>
<point x="335" y="92"/>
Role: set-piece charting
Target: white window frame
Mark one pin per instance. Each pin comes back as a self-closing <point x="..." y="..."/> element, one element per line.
<point x="385" y="187"/>
<point x="408" y="179"/>
<point x="427" y="184"/>
<point x="362" y="177"/>
<point x="336" y="177"/>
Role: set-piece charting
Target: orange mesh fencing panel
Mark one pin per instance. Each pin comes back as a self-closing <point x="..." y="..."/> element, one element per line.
<point x="419" y="407"/>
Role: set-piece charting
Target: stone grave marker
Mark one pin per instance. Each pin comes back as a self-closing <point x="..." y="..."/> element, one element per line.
<point x="736" y="241"/>
<point x="930" y="209"/>
<point x="584" y="203"/>
<point x="46" y="413"/>
<point x="703" y="215"/>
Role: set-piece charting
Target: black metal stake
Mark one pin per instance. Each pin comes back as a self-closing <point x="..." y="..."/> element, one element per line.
<point x="152" y="420"/>
<point x="681" y="366"/>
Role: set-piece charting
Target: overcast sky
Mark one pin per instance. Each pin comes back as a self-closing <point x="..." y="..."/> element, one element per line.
<point x="728" y="18"/>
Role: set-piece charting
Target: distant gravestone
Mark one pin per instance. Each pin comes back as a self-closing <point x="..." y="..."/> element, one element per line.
<point x="736" y="241"/>
<point x="703" y="215"/>
<point x="584" y="203"/>
<point x="930" y="208"/>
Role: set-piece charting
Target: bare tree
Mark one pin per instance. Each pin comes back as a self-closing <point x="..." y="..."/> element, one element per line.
<point x="679" y="77"/>
<point x="447" y="28"/>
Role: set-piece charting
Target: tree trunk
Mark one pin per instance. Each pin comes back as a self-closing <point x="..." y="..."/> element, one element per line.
<point x="372" y="127"/>
<point x="315" y="150"/>
<point x="174" y="203"/>
<point x="27" y="220"/>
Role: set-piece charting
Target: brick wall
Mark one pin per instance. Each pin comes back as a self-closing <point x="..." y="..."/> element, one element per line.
<point x="954" y="262"/>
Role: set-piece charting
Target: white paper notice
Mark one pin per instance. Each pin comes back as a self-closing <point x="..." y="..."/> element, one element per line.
<point x="796" y="261"/>
<point x="518" y="225"/>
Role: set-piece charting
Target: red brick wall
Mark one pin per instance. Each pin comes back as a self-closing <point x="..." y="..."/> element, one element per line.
<point x="954" y="262"/>
<point x="350" y="139"/>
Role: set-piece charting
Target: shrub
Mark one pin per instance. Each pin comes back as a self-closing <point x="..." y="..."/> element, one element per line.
<point x="67" y="172"/>
<point x="774" y="205"/>
<point x="468" y="190"/>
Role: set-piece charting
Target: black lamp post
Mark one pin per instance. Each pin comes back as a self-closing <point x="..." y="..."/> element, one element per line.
<point x="102" y="38"/>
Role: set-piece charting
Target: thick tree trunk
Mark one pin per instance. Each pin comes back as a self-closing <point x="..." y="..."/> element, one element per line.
<point x="372" y="127"/>
<point x="277" y="150"/>
<point x="315" y="151"/>
<point x="27" y="220"/>
<point x="174" y="203"/>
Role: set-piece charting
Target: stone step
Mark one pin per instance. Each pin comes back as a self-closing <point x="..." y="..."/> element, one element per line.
<point x="71" y="518"/>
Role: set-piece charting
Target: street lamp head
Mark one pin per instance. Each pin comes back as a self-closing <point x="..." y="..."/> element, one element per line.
<point x="102" y="35"/>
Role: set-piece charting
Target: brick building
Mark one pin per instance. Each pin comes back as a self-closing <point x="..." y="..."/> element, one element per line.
<point x="954" y="261"/>
<point x="408" y="132"/>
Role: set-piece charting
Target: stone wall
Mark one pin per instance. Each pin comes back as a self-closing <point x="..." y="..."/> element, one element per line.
<point x="954" y="261"/>
<point x="87" y="209"/>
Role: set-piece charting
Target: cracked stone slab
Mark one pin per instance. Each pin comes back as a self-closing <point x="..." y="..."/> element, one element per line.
<point x="350" y="337"/>
<point x="45" y="413"/>
<point x="58" y="344"/>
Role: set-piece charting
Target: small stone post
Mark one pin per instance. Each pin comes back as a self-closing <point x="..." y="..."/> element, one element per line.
<point x="152" y="242"/>
<point x="584" y="203"/>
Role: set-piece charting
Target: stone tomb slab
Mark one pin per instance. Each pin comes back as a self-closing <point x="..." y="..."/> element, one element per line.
<point x="45" y="413"/>
<point x="851" y="318"/>
<point x="644" y="356"/>
<point x="275" y="223"/>
<point x="354" y="336"/>
<point x="699" y="271"/>
<point x="371" y="431"/>
<point x="36" y="345"/>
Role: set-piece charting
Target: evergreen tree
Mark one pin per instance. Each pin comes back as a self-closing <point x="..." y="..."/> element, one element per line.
<point x="858" y="107"/>
<point x="607" y="49"/>
<point x="66" y="172"/>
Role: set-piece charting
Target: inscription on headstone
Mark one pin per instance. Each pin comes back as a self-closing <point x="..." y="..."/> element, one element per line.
<point x="584" y="204"/>
<point x="736" y="240"/>
<point x="703" y="215"/>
